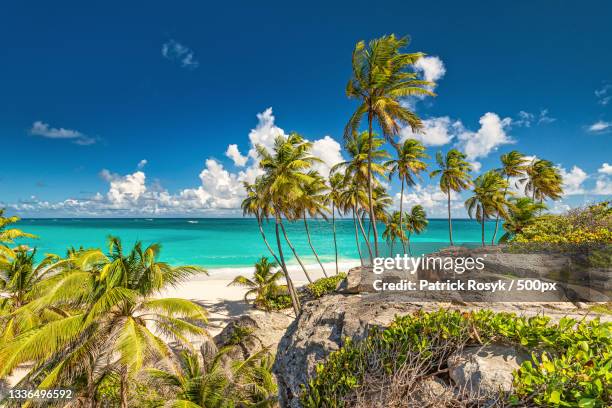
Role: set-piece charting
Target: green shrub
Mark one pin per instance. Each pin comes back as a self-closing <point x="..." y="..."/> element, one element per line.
<point x="572" y="365"/>
<point x="324" y="286"/>
<point x="279" y="302"/>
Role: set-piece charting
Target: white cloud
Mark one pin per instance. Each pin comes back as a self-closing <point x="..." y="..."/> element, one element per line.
<point x="436" y="131"/>
<point x="432" y="68"/>
<point x="142" y="163"/>
<point x="43" y="129"/>
<point x="603" y="186"/>
<point x="603" y="94"/>
<point x="488" y="138"/>
<point x="233" y="153"/>
<point x="600" y="126"/>
<point x="175" y="51"/>
<point x="605" y="169"/>
<point x="329" y="151"/>
<point x="526" y="119"/>
<point x="433" y="200"/>
<point x="572" y="180"/>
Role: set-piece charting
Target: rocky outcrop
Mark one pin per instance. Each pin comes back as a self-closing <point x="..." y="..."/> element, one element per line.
<point x="486" y="370"/>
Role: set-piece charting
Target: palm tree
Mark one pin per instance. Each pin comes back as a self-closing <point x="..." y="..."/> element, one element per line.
<point x="350" y="199"/>
<point x="382" y="76"/>
<point x="488" y="199"/>
<point x="8" y="236"/>
<point x="407" y="165"/>
<point x="514" y="164"/>
<point x="416" y="222"/>
<point x="542" y="181"/>
<point x="393" y="230"/>
<point x="254" y="204"/>
<point x="117" y="323"/>
<point x="521" y="213"/>
<point x="264" y="284"/>
<point x="312" y="203"/>
<point x="454" y="176"/>
<point x="336" y="185"/>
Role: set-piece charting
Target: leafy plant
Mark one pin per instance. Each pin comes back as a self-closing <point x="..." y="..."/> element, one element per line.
<point x="324" y="286"/>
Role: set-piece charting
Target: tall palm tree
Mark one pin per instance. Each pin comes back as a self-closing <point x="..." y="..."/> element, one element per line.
<point x="254" y="204"/>
<point x="264" y="284"/>
<point x="542" y="180"/>
<point x="521" y="213"/>
<point x="8" y="236"/>
<point x="488" y="199"/>
<point x="415" y="223"/>
<point x="408" y="165"/>
<point x="312" y="203"/>
<point x="393" y="230"/>
<point x="514" y="164"/>
<point x="454" y="173"/>
<point x="351" y="198"/>
<point x="116" y="326"/>
<point x="382" y="76"/>
<point x="335" y="187"/>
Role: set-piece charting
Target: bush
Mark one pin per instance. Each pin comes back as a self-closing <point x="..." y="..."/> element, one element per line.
<point x="324" y="286"/>
<point x="279" y="302"/>
<point x="571" y="363"/>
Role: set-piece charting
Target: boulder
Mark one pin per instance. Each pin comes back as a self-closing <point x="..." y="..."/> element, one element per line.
<point x="485" y="370"/>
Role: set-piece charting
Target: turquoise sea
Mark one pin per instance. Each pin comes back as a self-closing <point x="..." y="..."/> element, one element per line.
<point x="225" y="242"/>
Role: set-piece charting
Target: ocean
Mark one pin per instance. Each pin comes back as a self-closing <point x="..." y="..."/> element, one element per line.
<point x="216" y="243"/>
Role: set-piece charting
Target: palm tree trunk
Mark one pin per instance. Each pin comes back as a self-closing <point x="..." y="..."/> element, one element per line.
<point x="295" y="301"/>
<point x="409" y="249"/>
<point x="294" y="252"/>
<point x="334" y="229"/>
<point x="366" y="239"/>
<point x="370" y="202"/>
<point x="450" y="222"/>
<point x="391" y="248"/>
<point x="312" y="247"/>
<point x="357" y="237"/>
<point x="482" y="223"/>
<point x="497" y="218"/>
<point x="400" y="220"/>
<point x="124" y="388"/>
<point x="263" y="235"/>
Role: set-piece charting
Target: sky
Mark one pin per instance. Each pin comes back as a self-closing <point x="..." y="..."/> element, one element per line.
<point x="153" y="108"/>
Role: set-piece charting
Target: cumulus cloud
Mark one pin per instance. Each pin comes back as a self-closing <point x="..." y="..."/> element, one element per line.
<point x="603" y="186"/>
<point x="433" y="200"/>
<point x="600" y="127"/>
<point x="432" y="68"/>
<point x="572" y="180"/>
<point x="488" y="138"/>
<point x="436" y="131"/>
<point x="233" y="153"/>
<point x="43" y="129"/>
<point x="175" y="51"/>
<point x="605" y="169"/>
<point x="329" y="151"/>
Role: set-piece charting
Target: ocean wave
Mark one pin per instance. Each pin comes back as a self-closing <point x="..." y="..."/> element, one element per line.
<point x="193" y="222"/>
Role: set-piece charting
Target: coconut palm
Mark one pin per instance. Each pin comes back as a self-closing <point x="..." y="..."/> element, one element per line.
<point x="254" y="204"/>
<point x="415" y="223"/>
<point x="382" y="76"/>
<point x="408" y="165"/>
<point x="488" y="199"/>
<point x="521" y="213"/>
<point x="335" y="187"/>
<point x="514" y="164"/>
<point x="393" y="230"/>
<point x="119" y="325"/>
<point x="9" y="235"/>
<point x="313" y="203"/>
<point x="264" y="284"/>
<point x="454" y="173"/>
<point x="542" y="181"/>
<point x="351" y="198"/>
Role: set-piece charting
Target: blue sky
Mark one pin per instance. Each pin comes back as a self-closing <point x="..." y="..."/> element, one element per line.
<point x="89" y="91"/>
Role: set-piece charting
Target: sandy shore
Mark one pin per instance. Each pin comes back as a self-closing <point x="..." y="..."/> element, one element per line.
<point x="224" y="302"/>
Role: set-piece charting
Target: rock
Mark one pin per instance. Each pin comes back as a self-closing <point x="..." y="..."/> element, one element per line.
<point x="263" y="329"/>
<point x="432" y="392"/>
<point x="485" y="370"/>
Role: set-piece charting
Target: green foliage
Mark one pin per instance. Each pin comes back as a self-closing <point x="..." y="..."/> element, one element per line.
<point x="574" y="369"/>
<point x="324" y="286"/>
<point x="269" y="295"/>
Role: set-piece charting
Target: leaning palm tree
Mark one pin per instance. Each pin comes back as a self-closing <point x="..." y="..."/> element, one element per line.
<point x="454" y="173"/>
<point x="514" y="164"/>
<point x="264" y="284"/>
<point x="393" y="230"/>
<point x="335" y="187"/>
<point x="254" y="204"/>
<point x="351" y="198"/>
<point x="415" y="223"/>
<point x="382" y="76"/>
<point x="8" y="236"/>
<point x="119" y="322"/>
<point x="488" y="199"/>
<point x="408" y="165"/>
<point x="521" y="213"/>
<point x="542" y="180"/>
<point x="312" y="204"/>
